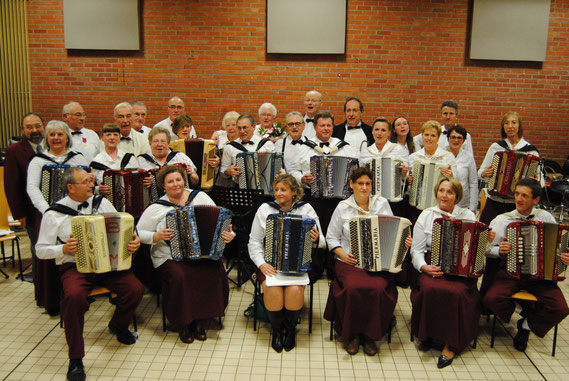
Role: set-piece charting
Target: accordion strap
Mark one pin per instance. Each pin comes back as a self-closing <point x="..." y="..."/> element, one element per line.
<point x="99" y="166"/>
<point x="370" y="149"/>
<point x="239" y="146"/>
<point x="296" y="205"/>
<point x="169" y="157"/>
<point x="70" y="154"/>
<point x="125" y="159"/>
<point x="148" y="158"/>
<point x="64" y="209"/>
<point x="262" y="143"/>
<point x="527" y="148"/>
<point x="191" y="197"/>
<point x="358" y="208"/>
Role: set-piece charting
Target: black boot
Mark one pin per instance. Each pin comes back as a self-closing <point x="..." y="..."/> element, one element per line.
<point x="276" y="319"/>
<point x="291" y="320"/>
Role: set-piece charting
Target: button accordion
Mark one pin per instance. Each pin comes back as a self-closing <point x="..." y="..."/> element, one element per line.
<point x="508" y="168"/>
<point x="331" y="176"/>
<point x="103" y="242"/>
<point x="536" y="250"/>
<point x="258" y="170"/>
<point x="387" y="181"/>
<point x="200" y="151"/>
<point x="155" y="191"/>
<point x="378" y="242"/>
<point x="459" y="247"/>
<point x="128" y="193"/>
<point x="51" y="184"/>
<point x="197" y="232"/>
<point x="288" y="247"/>
<point x="426" y="174"/>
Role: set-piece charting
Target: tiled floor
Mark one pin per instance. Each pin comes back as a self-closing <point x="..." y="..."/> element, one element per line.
<point x="32" y="347"/>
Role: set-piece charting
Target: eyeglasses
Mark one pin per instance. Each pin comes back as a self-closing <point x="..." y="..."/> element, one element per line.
<point x="456" y="138"/>
<point x="173" y="107"/>
<point x="294" y="124"/>
<point x="85" y="182"/>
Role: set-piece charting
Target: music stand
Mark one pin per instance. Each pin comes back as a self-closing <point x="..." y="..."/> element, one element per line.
<point x="244" y="204"/>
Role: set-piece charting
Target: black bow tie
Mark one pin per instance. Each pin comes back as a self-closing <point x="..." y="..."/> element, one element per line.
<point x="325" y="144"/>
<point x="529" y="218"/>
<point x="249" y="142"/>
<point x="82" y="205"/>
<point x="142" y="132"/>
<point x="445" y="132"/>
<point x="353" y="128"/>
<point x="308" y="120"/>
<point x="294" y="142"/>
<point x="76" y="132"/>
<point x="127" y="138"/>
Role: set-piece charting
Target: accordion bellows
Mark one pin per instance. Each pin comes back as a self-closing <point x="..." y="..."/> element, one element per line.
<point x="458" y="247"/>
<point x="128" y="193"/>
<point x="536" y="250"/>
<point x="51" y="184"/>
<point x="508" y="168"/>
<point x="258" y="170"/>
<point x="103" y="242"/>
<point x="387" y="181"/>
<point x="288" y="247"/>
<point x="203" y="149"/>
<point x="197" y="232"/>
<point x="331" y="176"/>
<point x="378" y="242"/>
<point x="426" y="174"/>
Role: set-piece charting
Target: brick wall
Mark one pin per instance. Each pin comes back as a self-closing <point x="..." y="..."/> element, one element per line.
<point x="402" y="58"/>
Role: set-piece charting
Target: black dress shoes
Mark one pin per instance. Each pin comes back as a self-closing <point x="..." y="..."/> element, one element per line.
<point x="444" y="361"/>
<point x="124" y="336"/>
<point x="76" y="370"/>
<point x="522" y="337"/>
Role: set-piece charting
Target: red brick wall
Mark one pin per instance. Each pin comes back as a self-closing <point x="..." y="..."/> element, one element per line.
<point x="402" y="58"/>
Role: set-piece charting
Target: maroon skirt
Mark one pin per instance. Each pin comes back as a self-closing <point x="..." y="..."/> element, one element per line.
<point x="193" y="290"/>
<point x="446" y="309"/>
<point x="360" y="302"/>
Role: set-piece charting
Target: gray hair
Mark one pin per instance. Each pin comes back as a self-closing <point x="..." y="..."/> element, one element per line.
<point x="158" y="130"/>
<point x="229" y="115"/>
<point x="138" y="103"/>
<point x="122" y="104"/>
<point x="315" y="92"/>
<point x="69" y="176"/>
<point x="248" y="117"/>
<point x="67" y="108"/>
<point x="57" y="125"/>
<point x="270" y="106"/>
<point x="293" y="113"/>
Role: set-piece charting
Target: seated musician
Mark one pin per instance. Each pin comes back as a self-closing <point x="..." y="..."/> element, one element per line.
<point x="361" y="303"/>
<point x="159" y="139"/>
<point x="283" y="303"/>
<point x="443" y="305"/>
<point x="111" y="157"/>
<point x="56" y="242"/>
<point x="247" y="142"/>
<point x="193" y="291"/>
<point x="551" y="308"/>
<point x="182" y="127"/>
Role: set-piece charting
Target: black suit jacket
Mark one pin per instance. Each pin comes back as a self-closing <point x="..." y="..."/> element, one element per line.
<point x="18" y="157"/>
<point x="340" y="132"/>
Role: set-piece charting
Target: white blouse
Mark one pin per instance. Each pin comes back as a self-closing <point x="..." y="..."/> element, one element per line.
<point x="179" y="158"/>
<point x="440" y="155"/>
<point x="104" y="158"/>
<point x="389" y="150"/>
<point x="466" y="174"/>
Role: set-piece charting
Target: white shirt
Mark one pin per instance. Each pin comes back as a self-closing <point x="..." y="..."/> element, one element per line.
<point x="500" y="223"/>
<point x="222" y="139"/>
<point x="87" y="142"/>
<point x="136" y="144"/>
<point x="389" y="150"/>
<point x="230" y="152"/>
<point x="309" y="131"/>
<point x="179" y="158"/>
<point x="154" y="219"/>
<point x="306" y="152"/>
<point x="167" y="124"/>
<point x="104" y="158"/>
<point x="56" y="225"/>
<point x="423" y="231"/>
<point x="338" y="234"/>
<point x="355" y="137"/>
<point x="291" y="152"/>
<point x="443" y="141"/>
<point x="145" y="130"/>
<point x="256" y="244"/>
<point x="34" y="176"/>
<point x="440" y="155"/>
<point x="466" y="174"/>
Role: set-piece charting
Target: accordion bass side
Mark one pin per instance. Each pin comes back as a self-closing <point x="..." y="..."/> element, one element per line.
<point x="426" y="173"/>
<point x="508" y="168"/>
<point x="258" y="170"/>
<point x="51" y="184"/>
<point x="387" y="181"/>
<point x="197" y="232"/>
<point x="378" y="242"/>
<point x="536" y="250"/>
<point x="459" y="246"/>
<point x="288" y="247"/>
<point x="331" y="176"/>
<point x="128" y="193"/>
<point x="199" y="150"/>
<point x="103" y="242"/>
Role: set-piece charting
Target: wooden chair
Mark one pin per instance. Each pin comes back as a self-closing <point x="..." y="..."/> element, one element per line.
<point x="12" y="237"/>
<point x="524" y="296"/>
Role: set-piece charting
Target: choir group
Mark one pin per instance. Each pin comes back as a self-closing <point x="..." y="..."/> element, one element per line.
<point x="361" y="303"/>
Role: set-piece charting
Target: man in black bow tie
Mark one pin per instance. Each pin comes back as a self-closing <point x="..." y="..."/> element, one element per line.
<point x="56" y="242"/>
<point x="247" y="142"/>
<point x="354" y="130"/>
<point x="130" y="141"/>
<point x="82" y="139"/>
<point x="139" y="113"/>
<point x="290" y="146"/>
<point x="312" y="105"/>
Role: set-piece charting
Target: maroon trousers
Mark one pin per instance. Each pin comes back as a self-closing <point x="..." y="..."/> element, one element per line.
<point x="550" y="308"/>
<point x="446" y="309"/>
<point x="193" y="290"/>
<point x="361" y="302"/>
<point x="76" y="288"/>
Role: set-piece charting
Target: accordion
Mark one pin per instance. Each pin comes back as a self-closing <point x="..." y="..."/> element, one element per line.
<point x="378" y="242"/>
<point x="288" y="247"/>
<point x="387" y="181"/>
<point x="331" y="176"/>
<point x="199" y="151"/>
<point x="51" y="184"/>
<point x="426" y="174"/>
<point x="128" y="193"/>
<point x="258" y="170"/>
<point x="508" y="168"/>
<point x="197" y="232"/>
<point x="536" y="250"/>
<point x="459" y="246"/>
<point x="103" y="242"/>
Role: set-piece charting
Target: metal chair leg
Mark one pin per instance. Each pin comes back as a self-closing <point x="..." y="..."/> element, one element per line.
<point x="554" y="341"/>
<point x="310" y="309"/>
<point x="255" y="284"/>
<point x="493" y="332"/>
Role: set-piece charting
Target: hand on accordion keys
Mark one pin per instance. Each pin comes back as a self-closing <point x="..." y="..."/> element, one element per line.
<point x="70" y="246"/>
<point x="307" y="178"/>
<point x="434" y="271"/>
<point x="565" y="258"/>
<point x="314" y="234"/>
<point x="134" y="244"/>
<point x="228" y="235"/>
<point x="504" y="247"/>
<point x="404" y="169"/>
<point x="233" y="171"/>
<point x="213" y="162"/>
<point x="347" y="258"/>
<point x="105" y="190"/>
<point x="447" y="172"/>
<point x="164" y="234"/>
<point x="408" y="242"/>
<point x="147" y="181"/>
<point x="488" y="172"/>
